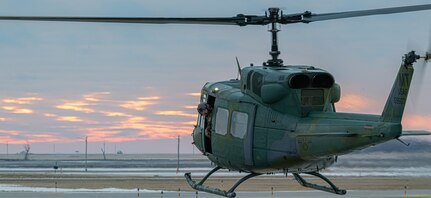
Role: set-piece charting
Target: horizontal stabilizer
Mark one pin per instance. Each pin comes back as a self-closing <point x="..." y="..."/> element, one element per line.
<point x="418" y="132"/>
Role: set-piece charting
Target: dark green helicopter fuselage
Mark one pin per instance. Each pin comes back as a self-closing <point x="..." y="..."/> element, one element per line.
<point x="283" y="119"/>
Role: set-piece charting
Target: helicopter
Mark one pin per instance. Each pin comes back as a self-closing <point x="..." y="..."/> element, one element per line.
<point x="275" y="117"/>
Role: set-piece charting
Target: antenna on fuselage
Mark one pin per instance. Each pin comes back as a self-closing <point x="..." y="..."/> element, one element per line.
<point x="239" y="68"/>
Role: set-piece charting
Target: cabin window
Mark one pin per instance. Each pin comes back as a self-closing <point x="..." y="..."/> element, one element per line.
<point x="239" y="124"/>
<point x="222" y="118"/>
<point x="312" y="97"/>
<point x="257" y="83"/>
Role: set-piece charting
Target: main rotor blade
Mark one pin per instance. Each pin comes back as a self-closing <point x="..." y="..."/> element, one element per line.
<point x="240" y="19"/>
<point x="308" y="17"/>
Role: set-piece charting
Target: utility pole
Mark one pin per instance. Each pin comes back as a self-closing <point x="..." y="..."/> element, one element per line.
<point x="178" y="155"/>
<point x="86" y="145"/>
<point x="7" y="149"/>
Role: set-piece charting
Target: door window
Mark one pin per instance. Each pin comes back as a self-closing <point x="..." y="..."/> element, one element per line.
<point x="239" y="124"/>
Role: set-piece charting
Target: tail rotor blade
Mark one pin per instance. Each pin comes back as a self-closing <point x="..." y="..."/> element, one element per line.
<point x="420" y="69"/>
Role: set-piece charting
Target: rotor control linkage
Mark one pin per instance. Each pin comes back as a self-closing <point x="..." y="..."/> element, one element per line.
<point x="333" y="189"/>
<point x="410" y="58"/>
<point x="230" y="193"/>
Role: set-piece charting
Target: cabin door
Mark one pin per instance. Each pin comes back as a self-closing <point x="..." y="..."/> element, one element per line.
<point x="249" y="109"/>
<point x="207" y="125"/>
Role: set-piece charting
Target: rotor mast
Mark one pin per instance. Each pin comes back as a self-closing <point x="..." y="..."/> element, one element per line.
<point x="274" y="53"/>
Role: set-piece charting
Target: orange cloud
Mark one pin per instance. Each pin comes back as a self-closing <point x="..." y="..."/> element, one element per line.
<point x="417" y="122"/>
<point x="115" y="114"/>
<point x="97" y="135"/>
<point x="175" y="113"/>
<point x="149" y="98"/>
<point x="355" y="103"/>
<point x="133" y="122"/>
<point x="9" y="108"/>
<point x="69" y="119"/>
<point x="124" y="127"/>
<point x="192" y="123"/>
<point x="9" y="132"/>
<point x="76" y="106"/>
<point x="139" y="105"/>
<point x="145" y="129"/>
<point x="27" y="100"/>
<point x="17" y="110"/>
<point x="94" y="97"/>
<point x="190" y="107"/>
<point x="46" y="137"/>
<point x="155" y="130"/>
<point x="194" y="94"/>
<point x="10" y="140"/>
<point x="50" y="115"/>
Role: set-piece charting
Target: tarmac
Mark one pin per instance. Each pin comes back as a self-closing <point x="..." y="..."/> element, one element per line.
<point x="295" y="194"/>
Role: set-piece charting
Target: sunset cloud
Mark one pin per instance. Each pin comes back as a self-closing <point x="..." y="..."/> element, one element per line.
<point x="417" y="122"/>
<point x="17" y="110"/>
<point x="355" y="103"/>
<point x="21" y="101"/>
<point x="175" y="113"/>
<point x="76" y="106"/>
<point x="50" y="115"/>
<point x="139" y="128"/>
<point x="44" y="137"/>
<point x="196" y="94"/>
<point x="149" y="98"/>
<point x="141" y="103"/>
<point x="94" y="97"/>
<point x="190" y="107"/>
<point x="69" y="119"/>
<point x="9" y="132"/>
<point x="122" y="126"/>
<point x="191" y="123"/>
<point x="115" y="114"/>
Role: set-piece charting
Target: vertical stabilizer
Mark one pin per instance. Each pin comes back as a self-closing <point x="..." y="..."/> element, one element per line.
<point x="396" y="102"/>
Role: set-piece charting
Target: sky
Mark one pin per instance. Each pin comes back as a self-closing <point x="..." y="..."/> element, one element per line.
<point x="136" y="86"/>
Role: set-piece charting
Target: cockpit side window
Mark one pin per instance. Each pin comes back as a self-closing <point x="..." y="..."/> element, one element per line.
<point x="222" y="118"/>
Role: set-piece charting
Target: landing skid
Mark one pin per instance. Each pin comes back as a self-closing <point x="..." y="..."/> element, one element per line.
<point x="333" y="189"/>
<point x="200" y="187"/>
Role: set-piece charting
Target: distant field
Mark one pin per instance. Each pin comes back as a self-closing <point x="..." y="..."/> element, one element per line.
<point x="380" y="171"/>
<point x="81" y="156"/>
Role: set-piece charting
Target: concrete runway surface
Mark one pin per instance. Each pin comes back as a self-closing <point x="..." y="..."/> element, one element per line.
<point x="297" y="194"/>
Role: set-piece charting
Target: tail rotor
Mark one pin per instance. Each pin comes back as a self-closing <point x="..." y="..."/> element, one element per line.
<point x="420" y="71"/>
